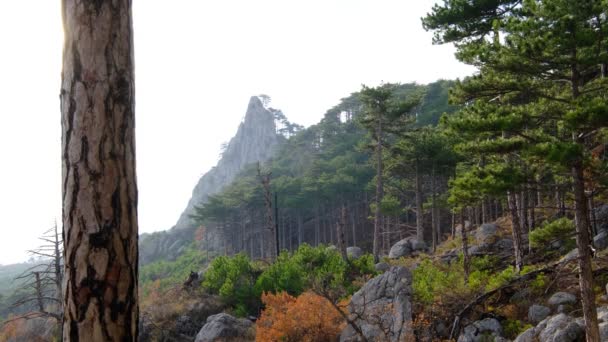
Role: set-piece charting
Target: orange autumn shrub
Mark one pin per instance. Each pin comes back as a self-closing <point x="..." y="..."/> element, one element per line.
<point x="308" y="318"/>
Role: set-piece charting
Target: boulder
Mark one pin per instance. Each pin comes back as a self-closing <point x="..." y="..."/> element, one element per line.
<point x="600" y="241"/>
<point x="487" y="233"/>
<point x="488" y="329"/>
<point x="602" y="314"/>
<point x="537" y="313"/>
<point x="560" y="327"/>
<point x="604" y="331"/>
<point x="407" y="247"/>
<point x="601" y="214"/>
<point x="382" y="267"/>
<point x="354" y="252"/>
<point x="504" y="244"/>
<point x="561" y="298"/>
<point x="225" y="328"/>
<point x="382" y="308"/>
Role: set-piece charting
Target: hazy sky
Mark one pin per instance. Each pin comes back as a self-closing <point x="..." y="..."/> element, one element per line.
<point x="197" y="64"/>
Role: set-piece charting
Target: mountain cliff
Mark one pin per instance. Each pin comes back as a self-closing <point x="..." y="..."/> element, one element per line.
<point x="256" y="140"/>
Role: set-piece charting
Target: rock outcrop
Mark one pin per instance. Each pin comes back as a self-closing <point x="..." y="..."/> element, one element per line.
<point x="225" y="328"/>
<point x="488" y="329"/>
<point x="256" y="140"/>
<point x="536" y="313"/>
<point x="407" y="247"/>
<point x="382" y="308"/>
<point x="562" y="327"/>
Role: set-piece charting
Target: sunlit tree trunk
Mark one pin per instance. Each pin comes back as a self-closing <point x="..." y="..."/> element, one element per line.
<point x="99" y="184"/>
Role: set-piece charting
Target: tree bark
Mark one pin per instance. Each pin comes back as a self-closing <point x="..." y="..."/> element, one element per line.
<point x="583" y="243"/>
<point x="98" y="172"/>
<point x="516" y="231"/>
<point x="465" y="248"/>
<point x="379" y="191"/>
<point x="434" y="222"/>
<point x="341" y="225"/>
<point x="419" y="214"/>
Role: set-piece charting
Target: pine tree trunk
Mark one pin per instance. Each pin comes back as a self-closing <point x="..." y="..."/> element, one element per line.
<point x="465" y="247"/>
<point x="317" y="226"/>
<point x="516" y="230"/>
<point x="99" y="182"/>
<point x="354" y="226"/>
<point x="433" y="212"/>
<point x="341" y="225"/>
<point x="379" y="191"/>
<point x="583" y="241"/>
<point x="419" y="214"/>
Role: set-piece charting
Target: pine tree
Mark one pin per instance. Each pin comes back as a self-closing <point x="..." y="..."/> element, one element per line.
<point x="99" y="182"/>
<point x="540" y="93"/>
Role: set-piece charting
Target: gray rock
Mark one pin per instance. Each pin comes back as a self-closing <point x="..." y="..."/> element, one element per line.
<point x="382" y="308"/>
<point x="604" y="331"/>
<point x="600" y="241"/>
<point x="560" y="298"/>
<point x="382" y="267"/>
<point x="487" y="233"/>
<point x="602" y="314"/>
<point x="561" y="327"/>
<point x="354" y="252"/>
<point x="601" y="214"/>
<point x="537" y="313"/>
<point x="225" y="328"/>
<point x="504" y="244"/>
<point x="406" y="247"/>
<point x="481" y="331"/>
<point x="479" y="249"/>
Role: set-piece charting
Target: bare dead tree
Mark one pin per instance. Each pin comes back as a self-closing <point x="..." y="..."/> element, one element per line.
<point x="42" y="281"/>
<point x="270" y="226"/>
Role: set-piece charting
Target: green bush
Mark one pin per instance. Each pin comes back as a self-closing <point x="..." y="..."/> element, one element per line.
<point x="539" y="284"/>
<point x="313" y="266"/>
<point x="233" y="279"/>
<point x="560" y="230"/>
<point x="436" y="279"/>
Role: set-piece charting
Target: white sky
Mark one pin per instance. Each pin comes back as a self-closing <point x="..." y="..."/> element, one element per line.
<point x="197" y="64"/>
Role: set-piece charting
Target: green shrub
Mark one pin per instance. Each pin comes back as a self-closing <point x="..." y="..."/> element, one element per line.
<point x="318" y="266"/>
<point x="431" y="280"/>
<point x="233" y="278"/>
<point x="560" y="230"/>
<point x="539" y="284"/>
<point x="499" y="279"/>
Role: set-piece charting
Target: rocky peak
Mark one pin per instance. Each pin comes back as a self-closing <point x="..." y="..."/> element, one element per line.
<point x="256" y="140"/>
